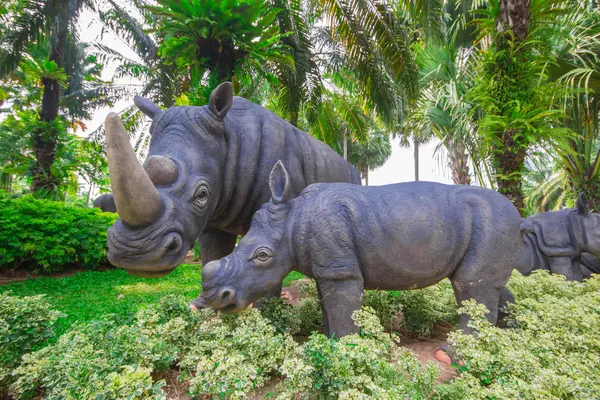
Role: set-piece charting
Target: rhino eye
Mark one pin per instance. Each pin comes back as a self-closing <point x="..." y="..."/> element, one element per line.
<point x="201" y="196"/>
<point x="262" y="254"/>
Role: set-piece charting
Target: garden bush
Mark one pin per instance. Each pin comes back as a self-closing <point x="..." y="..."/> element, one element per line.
<point x="366" y="366"/>
<point x="25" y="324"/>
<point x="50" y="235"/>
<point x="110" y="358"/>
<point x="551" y="351"/>
<point x="115" y="357"/>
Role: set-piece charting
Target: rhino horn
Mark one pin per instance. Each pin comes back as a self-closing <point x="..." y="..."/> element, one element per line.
<point x="146" y="106"/>
<point x="137" y="200"/>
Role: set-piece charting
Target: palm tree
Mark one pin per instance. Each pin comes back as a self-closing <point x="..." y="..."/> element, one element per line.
<point x="34" y="25"/>
<point x="370" y="154"/>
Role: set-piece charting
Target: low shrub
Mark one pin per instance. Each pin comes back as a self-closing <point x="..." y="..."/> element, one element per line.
<point x="233" y="356"/>
<point x="301" y="319"/>
<point x="366" y="366"/>
<point x="25" y="324"/>
<point x="50" y="235"/>
<point x="112" y="357"/>
<point x="552" y="350"/>
<point x="423" y="309"/>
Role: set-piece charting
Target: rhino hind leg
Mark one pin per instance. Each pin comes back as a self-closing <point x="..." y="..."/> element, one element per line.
<point x="506" y="298"/>
<point x="566" y="267"/>
<point x="483" y="281"/>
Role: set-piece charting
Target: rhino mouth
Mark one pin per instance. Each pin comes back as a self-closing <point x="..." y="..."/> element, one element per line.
<point x="216" y="301"/>
<point x="141" y="258"/>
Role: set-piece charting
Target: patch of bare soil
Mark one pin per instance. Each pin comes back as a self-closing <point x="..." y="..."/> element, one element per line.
<point x="425" y="349"/>
<point x="175" y="390"/>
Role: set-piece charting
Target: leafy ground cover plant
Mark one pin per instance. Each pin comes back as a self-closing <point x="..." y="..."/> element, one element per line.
<point x="551" y="351"/>
<point x="25" y="324"/>
<point x="51" y="235"/>
<point x="365" y="366"/>
<point x="115" y="357"/>
<point x="111" y="358"/>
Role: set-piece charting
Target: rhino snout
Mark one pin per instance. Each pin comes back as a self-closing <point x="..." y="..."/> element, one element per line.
<point x="223" y="300"/>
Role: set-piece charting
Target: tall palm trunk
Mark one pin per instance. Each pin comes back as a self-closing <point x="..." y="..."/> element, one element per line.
<point x="510" y="160"/>
<point x="416" y="157"/>
<point x="45" y="137"/>
<point x="345" y="143"/>
<point x="458" y="162"/>
<point x="366" y="174"/>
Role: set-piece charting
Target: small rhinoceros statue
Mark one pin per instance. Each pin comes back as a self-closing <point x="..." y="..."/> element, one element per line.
<point x="350" y="238"/>
<point x="556" y="240"/>
<point x="106" y="203"/>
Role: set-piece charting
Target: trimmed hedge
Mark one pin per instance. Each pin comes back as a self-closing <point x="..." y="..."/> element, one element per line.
<point x="49" y="235"/>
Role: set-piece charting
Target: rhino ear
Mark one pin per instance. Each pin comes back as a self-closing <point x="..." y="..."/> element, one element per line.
<point x="583" y="207"/>
<point x="279" y="182"/>
<point x="146" y="106"/>
<point x="221" y="99"/>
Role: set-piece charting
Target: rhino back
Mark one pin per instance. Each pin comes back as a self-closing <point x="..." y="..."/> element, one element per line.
<point x="408" y="235"/>
<point x="256" y="140"/>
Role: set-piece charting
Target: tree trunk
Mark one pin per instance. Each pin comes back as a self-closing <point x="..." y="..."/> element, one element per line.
<point x="45" y="137"/>
<point x="509" y="167"/>
<point x="510" y="158"/>
<point x="416" y="156"/>
<point x="366" y="174"/>
<point x="87" y="201"/>
<point x="458" y="163"/>
<point x="345" y="142"/>
<point x="514" y="15"/>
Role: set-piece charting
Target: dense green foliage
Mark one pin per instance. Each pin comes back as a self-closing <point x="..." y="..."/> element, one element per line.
<point x="357" y="367"/>
<point x="51" y="235"/>
<point x="25" y="324"/>
<point x="550" y="350"/>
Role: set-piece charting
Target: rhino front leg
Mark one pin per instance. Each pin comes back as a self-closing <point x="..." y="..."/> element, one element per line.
<point x="339" y="299"/>
<point x="564" y="266"/>
<point x="215" y="244"/>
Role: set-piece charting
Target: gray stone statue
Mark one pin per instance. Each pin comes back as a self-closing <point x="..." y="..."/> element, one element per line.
<point x="555" y="241"/>
<point x="589" y="265"/>
<point x="206" y="174"/>
<point x="350" y="238"/>
<point x="106" y="203"/>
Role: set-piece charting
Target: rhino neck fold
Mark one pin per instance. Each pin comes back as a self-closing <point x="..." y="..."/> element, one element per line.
<point x="243" y="138"/>
<point x="577" y="232"/>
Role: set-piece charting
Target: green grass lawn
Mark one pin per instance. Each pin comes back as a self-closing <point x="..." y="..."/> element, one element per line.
<point x="90" y="295"/>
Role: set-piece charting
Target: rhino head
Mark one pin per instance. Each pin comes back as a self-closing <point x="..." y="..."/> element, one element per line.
<point x="261" y="260"/>
<point x="164" y="204"/>
<point x="586" y="227"/>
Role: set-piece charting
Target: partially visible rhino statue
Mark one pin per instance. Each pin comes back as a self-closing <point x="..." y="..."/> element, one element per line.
<point x="206" y="173"/>
<point x="555" y="240"/>
<point x="106" y="203"/>
<point x="350" y="238"/>
<point x="589" y="265"/>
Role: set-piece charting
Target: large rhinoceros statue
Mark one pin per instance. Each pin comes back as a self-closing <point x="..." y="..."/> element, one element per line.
<point x="556" y="240"/>
<point x="206" y="174"/>
<point x="106" y="203"/>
